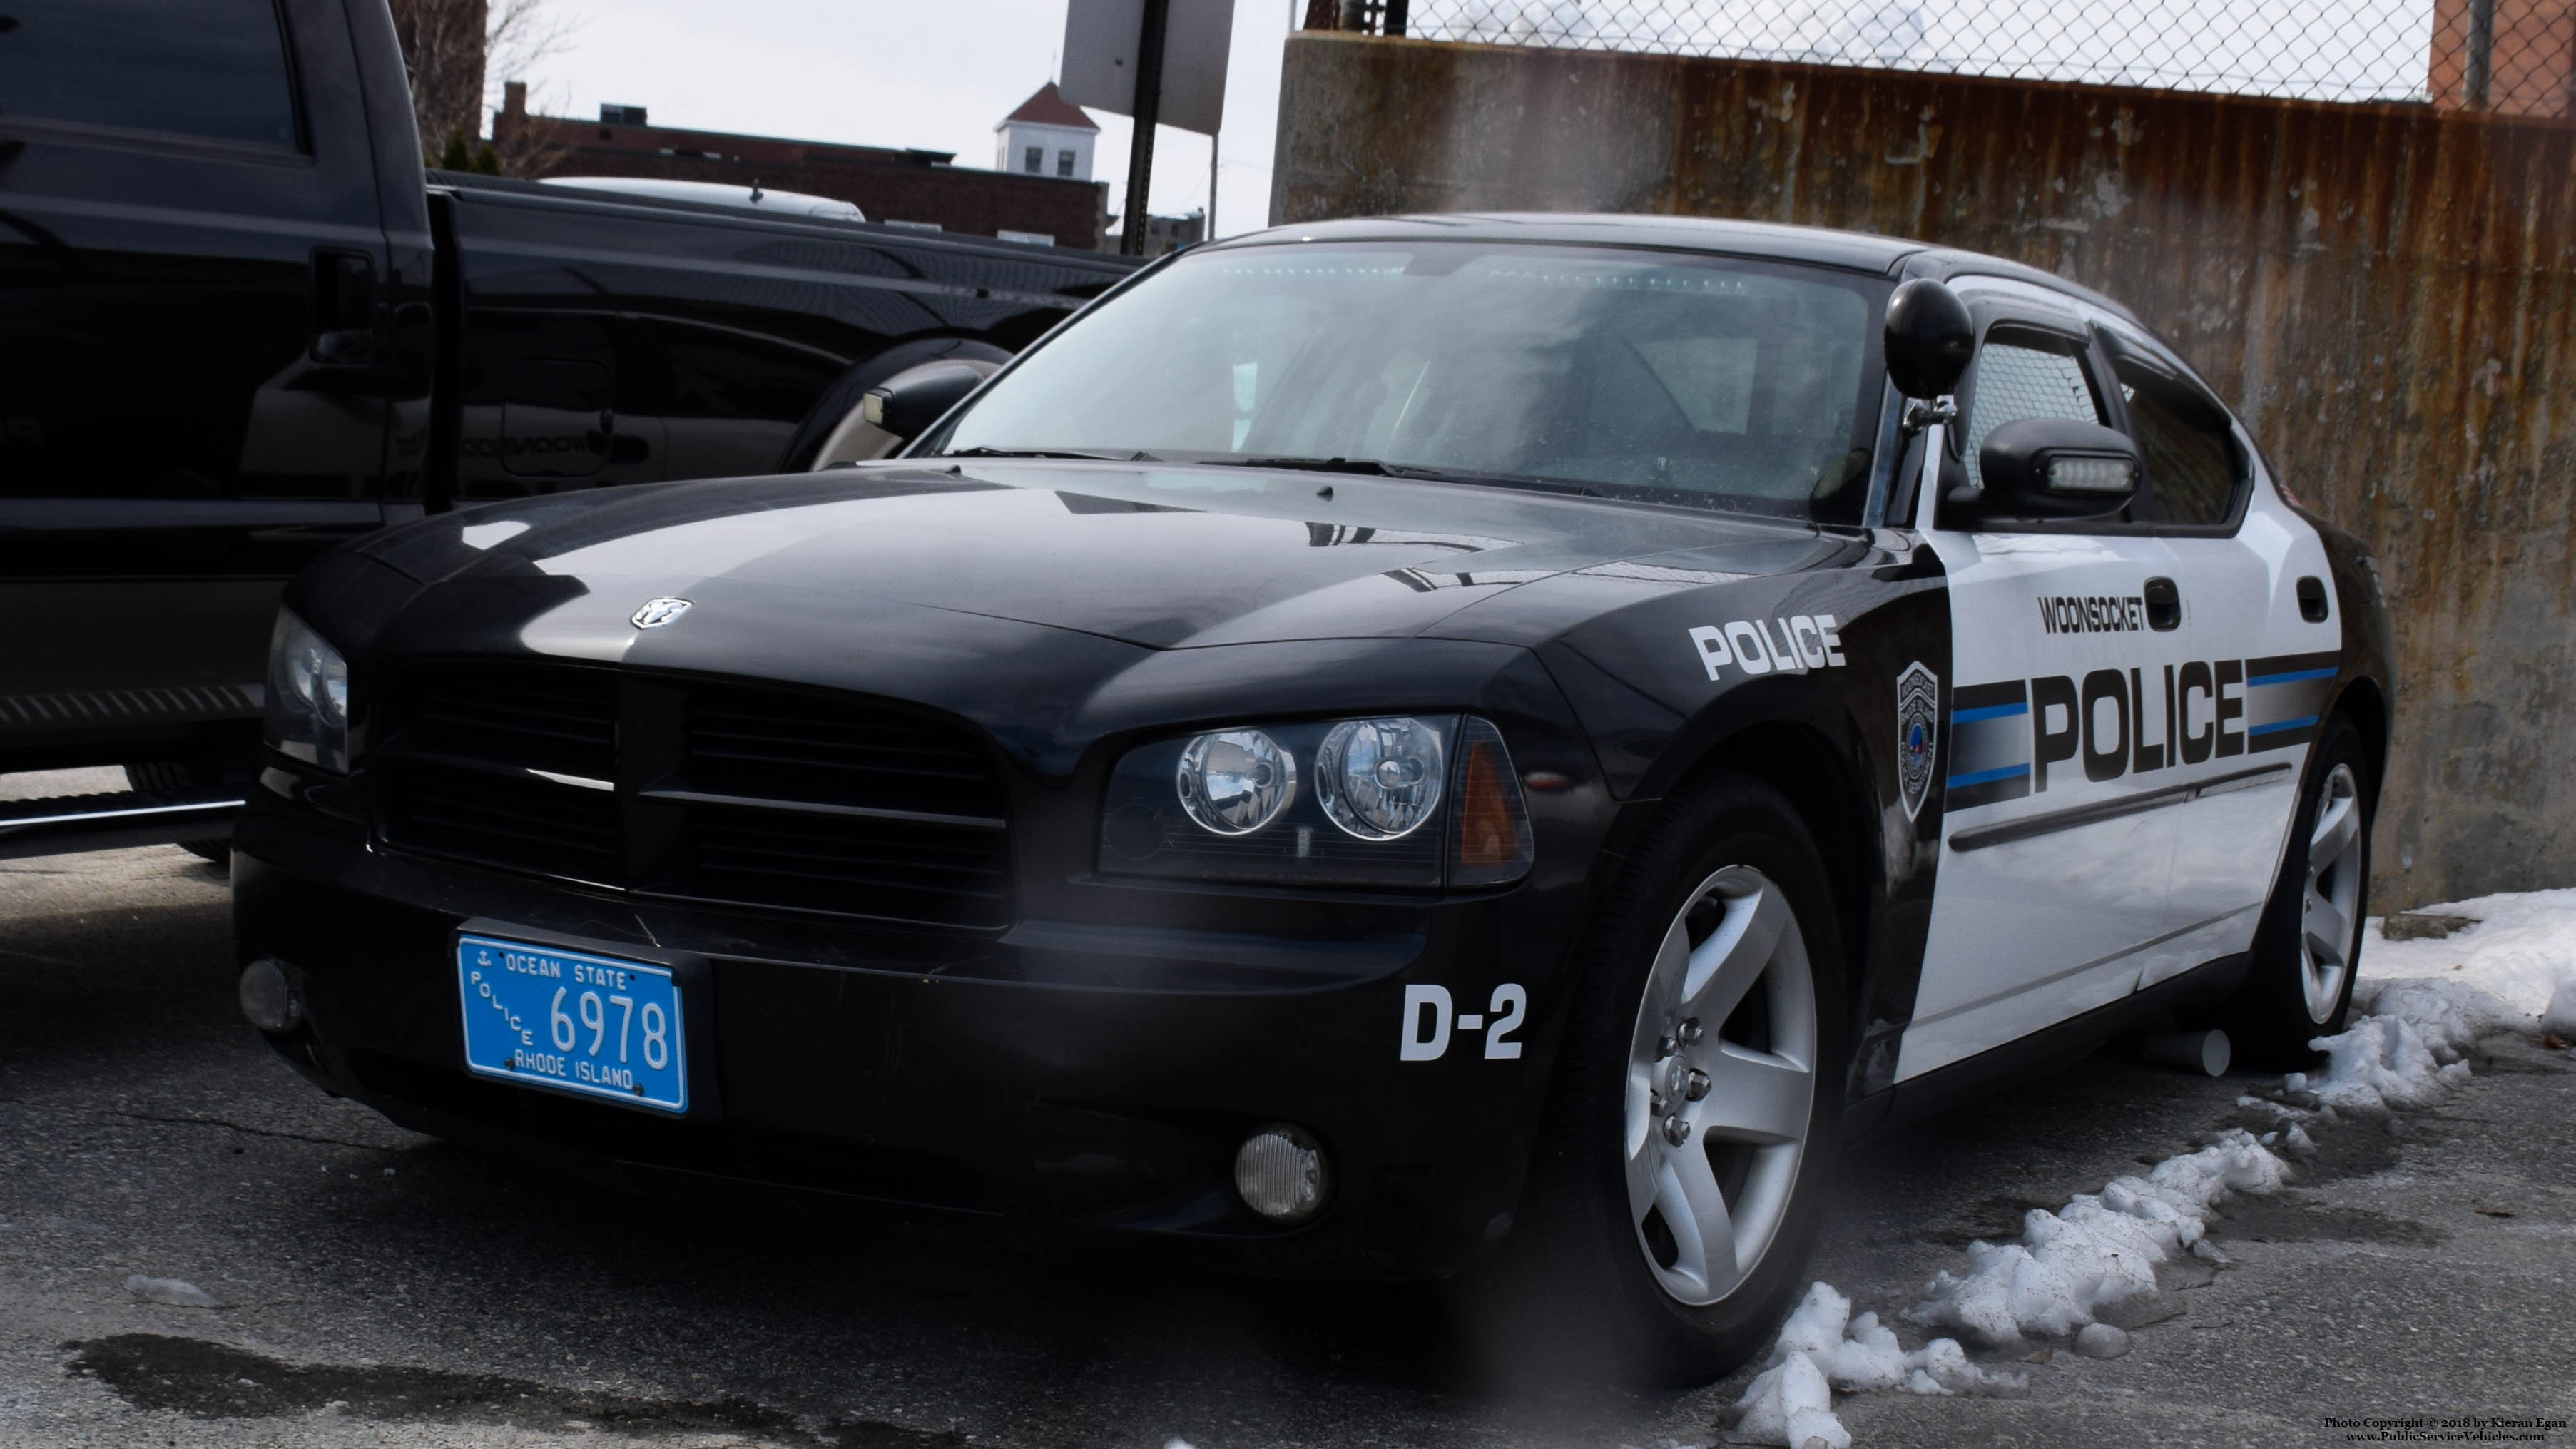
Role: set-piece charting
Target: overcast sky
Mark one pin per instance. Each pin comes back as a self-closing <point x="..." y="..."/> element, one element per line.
<point x="936" y="74"/>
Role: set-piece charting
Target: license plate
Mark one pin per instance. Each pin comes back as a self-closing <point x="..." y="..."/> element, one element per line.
<point x="576" y="1022"/>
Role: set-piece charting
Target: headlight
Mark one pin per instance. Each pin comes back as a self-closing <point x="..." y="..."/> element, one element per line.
<point x="1401" y="800"/>
<point x="308" y="696"/>
<point x="1235" y="782"/>
<point x="1379" y="779"/>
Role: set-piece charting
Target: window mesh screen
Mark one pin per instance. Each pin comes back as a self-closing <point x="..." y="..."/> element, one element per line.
<point x="2013" y="383"/>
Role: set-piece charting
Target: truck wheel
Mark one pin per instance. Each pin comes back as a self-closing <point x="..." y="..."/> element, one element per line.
<point x="160" y="776"/>
<point x="1684" y="1165"/>
<point x="2308" y="947"/>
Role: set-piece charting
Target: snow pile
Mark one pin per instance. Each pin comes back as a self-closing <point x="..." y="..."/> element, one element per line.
<point x="2417" y="1010"/>
<point x="2521" y="952"/>
<point x="2558" y="1019"/>
<point x="2099" y="1249"/>
<point x="2406" y="1052"/>
<point x="2420" y="1005"/>
<point x="1790" y="1404"/>
<point x="1860" y="1354"/>
<point x="1822" y="1348"/>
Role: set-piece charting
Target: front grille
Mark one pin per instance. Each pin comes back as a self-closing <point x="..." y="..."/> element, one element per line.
<point x="766" y="742"/>
<point x="724" y="791"/>
<point x="520" y="822"/>
<point x="824" y="863"/>
<point x="537" y="716"/>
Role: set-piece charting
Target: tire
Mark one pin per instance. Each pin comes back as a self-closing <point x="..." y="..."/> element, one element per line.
<point x="1724" y="902"/>
<point x="2307" y="948"/>
<point x="171" y="775"/>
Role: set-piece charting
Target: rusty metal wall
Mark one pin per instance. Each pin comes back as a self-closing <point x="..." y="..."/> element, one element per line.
<point x="2382" y="292"/>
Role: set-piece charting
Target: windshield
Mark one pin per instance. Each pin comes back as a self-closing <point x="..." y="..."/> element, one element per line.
<point x="1707" y="380"/>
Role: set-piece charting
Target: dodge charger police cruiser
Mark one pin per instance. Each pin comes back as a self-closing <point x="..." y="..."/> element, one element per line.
<point x="1373" y="747"/>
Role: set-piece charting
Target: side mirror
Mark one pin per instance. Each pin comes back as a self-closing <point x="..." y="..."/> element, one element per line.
<point x="909" y="402"/>
<point x="1929" y="339"/>
<point x="2049" y="468"/>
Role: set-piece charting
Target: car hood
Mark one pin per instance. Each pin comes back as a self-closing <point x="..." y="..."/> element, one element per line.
<point x="1162" y="557"/>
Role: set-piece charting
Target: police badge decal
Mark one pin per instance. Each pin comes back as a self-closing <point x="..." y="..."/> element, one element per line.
<point x="1918" y="733"/>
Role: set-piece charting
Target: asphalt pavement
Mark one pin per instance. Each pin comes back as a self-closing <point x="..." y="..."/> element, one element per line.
<point x="372" y="1286"/>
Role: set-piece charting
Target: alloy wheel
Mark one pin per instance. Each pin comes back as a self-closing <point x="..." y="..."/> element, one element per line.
<point x="1721" y="1084"/>
<point x="2328" y="923"/>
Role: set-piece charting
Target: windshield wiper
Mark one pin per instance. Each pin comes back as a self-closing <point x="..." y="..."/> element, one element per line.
<point x="1474" y="478"/>
<point x="1372" y="468"/>
<point x="1369" y="466"/>
<point x="1135" y="457"/>
<point x="1377" y="467"/>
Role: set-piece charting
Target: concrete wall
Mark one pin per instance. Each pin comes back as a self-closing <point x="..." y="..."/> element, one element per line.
<point x="2382" y="292"/>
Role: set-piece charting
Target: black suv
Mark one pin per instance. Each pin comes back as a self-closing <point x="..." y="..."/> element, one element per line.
<point x="239" y="325"/>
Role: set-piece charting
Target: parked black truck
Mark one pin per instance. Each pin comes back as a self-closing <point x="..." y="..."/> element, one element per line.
<point x="239" y="323"/>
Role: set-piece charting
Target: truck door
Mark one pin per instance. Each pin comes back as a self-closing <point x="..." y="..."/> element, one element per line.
<point x="2262" y="647"/>
<point x="191" y="363"/>
<point x="2052" y="884"/>
<point x="548" y="404"/>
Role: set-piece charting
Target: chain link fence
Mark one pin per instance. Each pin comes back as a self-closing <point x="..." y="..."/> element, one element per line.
<point x="2512" y="56"/>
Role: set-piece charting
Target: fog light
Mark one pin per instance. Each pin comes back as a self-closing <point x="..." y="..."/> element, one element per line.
<point x="268" y="998"/>
<point x="1279" y="1173"/>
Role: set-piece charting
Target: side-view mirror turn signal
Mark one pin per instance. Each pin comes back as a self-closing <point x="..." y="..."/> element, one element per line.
<point x="2042" y="468"/>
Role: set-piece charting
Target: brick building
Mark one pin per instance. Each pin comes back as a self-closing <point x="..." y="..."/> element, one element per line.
<point x="2513" y="57"/>
<point x="1168" y="233"/>
<point x="890" y="185"/>
<point x="1047" y="136"/>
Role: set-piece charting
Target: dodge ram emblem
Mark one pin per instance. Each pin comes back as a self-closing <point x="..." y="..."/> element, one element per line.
<point x="658" y="612"/>
<point x="1918" y="733"/>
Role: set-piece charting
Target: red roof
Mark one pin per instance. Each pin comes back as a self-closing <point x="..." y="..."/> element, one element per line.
<point x="1049" y="108"/>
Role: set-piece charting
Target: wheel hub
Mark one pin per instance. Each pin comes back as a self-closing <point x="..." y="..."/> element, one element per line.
<point x="1721" y="1082"/>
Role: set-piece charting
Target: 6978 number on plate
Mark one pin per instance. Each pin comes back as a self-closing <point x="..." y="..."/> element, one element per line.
<point x="573" y="1021"/>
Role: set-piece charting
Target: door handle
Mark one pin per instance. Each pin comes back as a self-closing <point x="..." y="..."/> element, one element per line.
<point x="344" y="306"/>
<point x="2164" y="605"/>
<point x="2312" y="599"/>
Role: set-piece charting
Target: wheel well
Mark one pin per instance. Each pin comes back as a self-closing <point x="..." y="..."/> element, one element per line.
<point x="2367" y="708"/>
<point x="1824" y="788"/>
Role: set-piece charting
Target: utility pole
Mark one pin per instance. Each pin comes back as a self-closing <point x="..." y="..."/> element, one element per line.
<point x="2480" y="66"/>
<point x="1149" y="105"/>
<point x="1208" y="232"/>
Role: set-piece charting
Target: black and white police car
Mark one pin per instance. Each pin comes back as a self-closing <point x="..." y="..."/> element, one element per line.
<point x="1374" y="745"/>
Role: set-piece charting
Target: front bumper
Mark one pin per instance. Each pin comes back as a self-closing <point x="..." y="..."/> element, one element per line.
<point x="1069" y="1079"/>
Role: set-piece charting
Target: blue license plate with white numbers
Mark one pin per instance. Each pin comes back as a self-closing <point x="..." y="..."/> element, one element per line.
<point x="596" y="1025"/>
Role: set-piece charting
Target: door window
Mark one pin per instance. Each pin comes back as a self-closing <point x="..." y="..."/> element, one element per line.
<point x="2017" y="380"/>
<point x="2193" y="467"/>
<point x="209" y="68"/>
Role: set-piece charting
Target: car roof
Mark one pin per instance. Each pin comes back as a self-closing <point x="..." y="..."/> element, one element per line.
<point x="1768" y="241"/>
